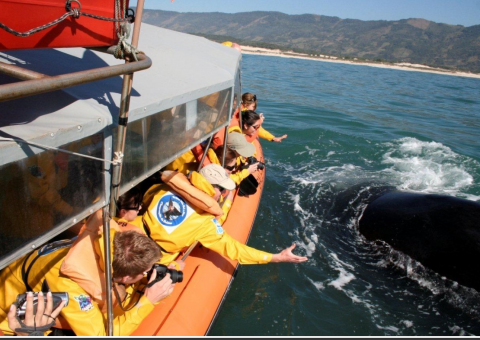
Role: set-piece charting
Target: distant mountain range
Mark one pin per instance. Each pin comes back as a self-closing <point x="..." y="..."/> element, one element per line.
<point x="415" y="41"/>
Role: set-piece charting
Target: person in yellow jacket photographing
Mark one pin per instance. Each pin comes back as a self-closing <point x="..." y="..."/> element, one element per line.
<point x="79" y="270"/>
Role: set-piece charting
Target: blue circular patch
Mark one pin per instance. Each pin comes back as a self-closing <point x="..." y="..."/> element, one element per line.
<point x="171" y="211"/>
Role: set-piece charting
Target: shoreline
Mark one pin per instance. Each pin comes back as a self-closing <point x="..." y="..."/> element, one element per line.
<point x="324" y="58"/>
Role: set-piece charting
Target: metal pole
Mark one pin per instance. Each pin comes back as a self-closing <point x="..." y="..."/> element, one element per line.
<point x="108" y="270"/>
<point x="117" y="169"/>
<point x="38" y="84"/>
<point x="123" y="114"/>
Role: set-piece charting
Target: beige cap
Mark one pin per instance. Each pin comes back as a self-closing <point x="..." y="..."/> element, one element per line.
<point x="237" y="142"/>
<point x="216" y="174"/>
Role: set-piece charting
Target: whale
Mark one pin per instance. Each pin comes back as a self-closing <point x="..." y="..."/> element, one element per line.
<point x="441" y="232"/>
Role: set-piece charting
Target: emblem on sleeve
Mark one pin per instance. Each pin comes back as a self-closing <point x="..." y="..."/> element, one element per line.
<point x="84" y="301"/>
<point x="218" y="226"/>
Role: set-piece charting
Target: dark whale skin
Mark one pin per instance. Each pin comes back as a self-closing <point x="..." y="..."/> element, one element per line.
<point x="441" y="232"/>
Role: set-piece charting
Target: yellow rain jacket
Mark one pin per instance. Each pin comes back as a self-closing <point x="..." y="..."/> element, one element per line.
<point x="174" y="225"/>
<point x="83" y="313"/>
<point x="262" y="133"/>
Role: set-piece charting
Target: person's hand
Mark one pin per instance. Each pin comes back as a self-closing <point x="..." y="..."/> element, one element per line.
<point x="252" y="168"/>
<point x="262" y="117"/>
<point x="279" y="139"/>
<point x="44" y="315"/>
<point x="161" y="289"/>
<point x="286" y="255"/>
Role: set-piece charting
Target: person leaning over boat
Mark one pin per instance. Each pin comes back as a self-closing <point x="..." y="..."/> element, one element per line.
<point x="230" y="159"/>
<point x="133" y="254"/>
<point x="175" y="232"/>
<point x="128" y="208"/>
<point x="249" y="102"/>
<point x="243" y="149"/>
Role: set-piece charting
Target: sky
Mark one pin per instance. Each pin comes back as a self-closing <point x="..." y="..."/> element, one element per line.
<point x="453" y="12"/>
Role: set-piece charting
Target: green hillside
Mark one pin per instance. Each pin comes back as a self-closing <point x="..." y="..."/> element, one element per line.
<point x="415" y="41"/>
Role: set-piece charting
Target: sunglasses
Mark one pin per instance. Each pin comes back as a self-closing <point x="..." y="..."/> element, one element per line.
<point x="256" y="127"/>
<point x="254" y="98"/>
<point x="230" y="167"/>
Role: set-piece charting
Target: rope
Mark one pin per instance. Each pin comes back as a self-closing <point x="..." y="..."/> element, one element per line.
<point x="75" y="12"/>
<point x="123" y="46"/>
<point x="116" y="161"/>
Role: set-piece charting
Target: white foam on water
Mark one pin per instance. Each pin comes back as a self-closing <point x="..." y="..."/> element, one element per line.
<point x="459" y="331"/>
<point x="389" y="328"/>
<point x="407" y="323"/>
<point x="427" y="167"/>
<point x="344" y="276"/>
<point x="319" y="285"/>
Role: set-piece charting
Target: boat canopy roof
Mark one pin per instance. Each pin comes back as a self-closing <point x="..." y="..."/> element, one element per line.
<point x="184" y="68"/>
<point x="56" y="148"/>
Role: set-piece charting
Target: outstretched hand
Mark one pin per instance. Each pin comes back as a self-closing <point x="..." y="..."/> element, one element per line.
<point x="286" y="255"/>
<point x="279" y="139"/>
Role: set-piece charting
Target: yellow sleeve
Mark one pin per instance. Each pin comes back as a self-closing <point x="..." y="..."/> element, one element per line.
<point x="82" y="313"/>
<point x="125" y="323"/>
<point x="86" y="318"/>
<point x="216" y="239"/>
<point x="226" y="208"/>
<point x="239" y="176"/>
<point x="168" y="258"/>
<point x="262" y="133"/>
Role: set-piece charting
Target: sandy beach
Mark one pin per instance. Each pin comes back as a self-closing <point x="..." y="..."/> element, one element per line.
<point x="325" y="58"/>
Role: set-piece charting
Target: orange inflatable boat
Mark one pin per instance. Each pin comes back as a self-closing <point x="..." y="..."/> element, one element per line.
<point x="195" y="302"/>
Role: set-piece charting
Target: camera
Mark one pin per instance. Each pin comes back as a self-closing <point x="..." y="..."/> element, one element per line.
<point x="252" y="160"/>
<point x="21" y="302"/>
<point x="175" y="275"/>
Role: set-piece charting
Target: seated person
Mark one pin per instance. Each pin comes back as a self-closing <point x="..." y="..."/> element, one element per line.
<point x="176" y="232"/>
<point x="34" y="323"/>
<point x="133" y="254"/>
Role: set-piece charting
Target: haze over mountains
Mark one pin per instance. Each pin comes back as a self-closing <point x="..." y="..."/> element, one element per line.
<point x="415" y="41"/>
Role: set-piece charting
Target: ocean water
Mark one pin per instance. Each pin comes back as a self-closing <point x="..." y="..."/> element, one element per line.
<point x="352" y="131"/>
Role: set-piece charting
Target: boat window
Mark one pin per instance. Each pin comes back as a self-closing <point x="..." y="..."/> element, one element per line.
<point x="237" y="97"/>
<point x="154" y="141"/>
<point x="47" y="190"/>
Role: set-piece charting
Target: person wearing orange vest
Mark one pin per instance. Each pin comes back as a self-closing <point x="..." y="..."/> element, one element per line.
<point x="175" y="231"/>
<point x="85" y="310"/>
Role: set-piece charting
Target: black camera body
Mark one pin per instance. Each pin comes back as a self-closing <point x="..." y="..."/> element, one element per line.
<point x="162" y="271"/>
<point x="21" y="302"/>
<point x="252" y="160"/>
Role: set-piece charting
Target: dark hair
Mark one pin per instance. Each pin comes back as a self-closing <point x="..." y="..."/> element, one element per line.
<point x="230" y="155"/>
<point x="133" y="253"/>
<point x="248" y="98"/>
<point x="132" y="198"/>
<point x="250" y="117"/>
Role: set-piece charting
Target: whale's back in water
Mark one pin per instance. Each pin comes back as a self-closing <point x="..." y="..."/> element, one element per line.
<point x="441" y="232"/>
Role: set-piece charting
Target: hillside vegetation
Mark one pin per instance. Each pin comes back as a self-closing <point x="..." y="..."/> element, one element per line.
<point x="415" y="41"/>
